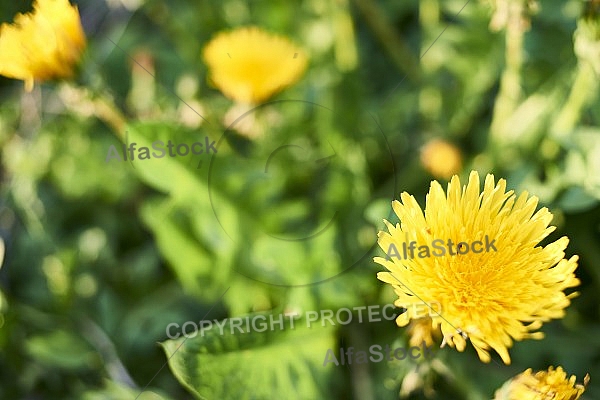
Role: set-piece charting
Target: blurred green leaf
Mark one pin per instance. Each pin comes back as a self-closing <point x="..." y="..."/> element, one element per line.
<point x="576" y="199"/>
<point x="62" y="349"/>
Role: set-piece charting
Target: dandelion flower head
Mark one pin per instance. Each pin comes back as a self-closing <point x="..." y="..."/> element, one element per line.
<point x="250" y="65"/>
<point x="41" y="45"/>
<point x="441" y="158"/>
<point x="491" y="297"/>
<point x="543" y="385"/>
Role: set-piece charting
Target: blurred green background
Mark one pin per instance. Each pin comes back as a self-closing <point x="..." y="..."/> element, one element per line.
<point x="101" y="257"/>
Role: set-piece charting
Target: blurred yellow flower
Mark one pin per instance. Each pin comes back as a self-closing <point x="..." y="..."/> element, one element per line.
<point x="41" y="45"/>
<point x="544" y="385"/>
<point x="250" y="65"/>
<point x="420" y="330"/>
<point x="441" y="159"/>
<point x="491" y="297"/>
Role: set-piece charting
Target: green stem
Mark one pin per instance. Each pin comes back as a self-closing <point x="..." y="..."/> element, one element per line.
<point x="430" y="98"/>
<point x="394" y="46"/>
<point x="510" y="83"/>
<point x="361" y="380"/>
<point x="582" y="91"/>
<point x="79" y="100"/>
<point x="346" y="54"/>
<point x="108" y="112"/>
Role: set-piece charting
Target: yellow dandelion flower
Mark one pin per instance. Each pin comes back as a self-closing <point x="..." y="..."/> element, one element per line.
<point x="543" y="385"/>
<point x="420" y="330"/>
<point x="250" y="65"/>
<point x="478" y="256"/>
<point x="441" y="159"/>
<point x="41" y="45"/>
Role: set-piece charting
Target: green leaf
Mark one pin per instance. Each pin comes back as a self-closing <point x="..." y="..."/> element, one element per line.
<point x="116" y="391"/>
<point x="280" y="363"/>
<point x="576" y="199"/>
<point x="61" y="349"/>
<point x="189" y="260"/>
<point x="173" y="175"/>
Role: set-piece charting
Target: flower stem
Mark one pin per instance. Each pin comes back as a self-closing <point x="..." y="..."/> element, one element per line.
<point x="510" y="83"/>
<point x="395" y="47"/>
<point x="582" y="92"/>
<point x="80" y="100"/>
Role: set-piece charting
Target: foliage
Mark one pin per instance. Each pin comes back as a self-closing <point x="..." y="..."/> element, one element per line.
<point x="102" y="256"/>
